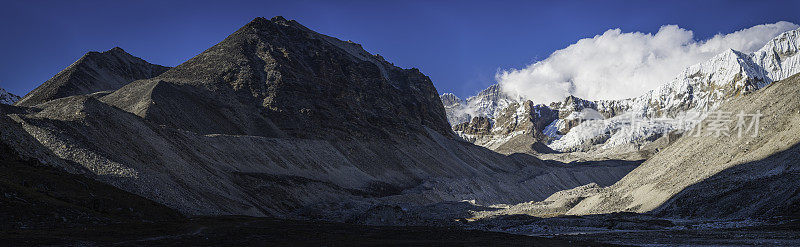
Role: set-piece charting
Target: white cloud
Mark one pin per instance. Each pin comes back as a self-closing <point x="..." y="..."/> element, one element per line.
<point x="617" y="65"/>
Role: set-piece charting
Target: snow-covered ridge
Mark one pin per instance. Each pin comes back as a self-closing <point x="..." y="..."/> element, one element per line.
<point x="488" y="103"/>
<point x="491" y="101"/>
<point x="702" y="86"/>
<point x="728" y="74"/>
<point x="779" y="57"/>
<point x="7" y="98"/>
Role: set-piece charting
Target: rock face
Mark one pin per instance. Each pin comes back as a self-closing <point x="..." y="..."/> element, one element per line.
<point x="525" y="116"/>
<point x="282" y="121"/>
<point x="493" y="118"/>
<point x="779" y="56"/>
<point x="517" y="122"/>
<point x="729" y="177"/>
<point x="7" y="98"/>
<point x="572" y="112"/>
<point x="572" y="104"/>
<point x="94" y="72"/>
<point x="478" y="126"/>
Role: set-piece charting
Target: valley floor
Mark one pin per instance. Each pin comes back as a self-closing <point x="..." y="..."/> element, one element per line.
<point x="787" y="234"/>
<point x="249" y="231"/>
<point x="647" y="230"/>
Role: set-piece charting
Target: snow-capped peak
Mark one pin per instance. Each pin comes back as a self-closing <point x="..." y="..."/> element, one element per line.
<point x="491" y="101"/>
<point x="449" y="99"/>
<point x="488" y="103"/>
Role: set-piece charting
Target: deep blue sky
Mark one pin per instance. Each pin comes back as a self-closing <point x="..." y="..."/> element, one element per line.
<point x="459" y="44"/>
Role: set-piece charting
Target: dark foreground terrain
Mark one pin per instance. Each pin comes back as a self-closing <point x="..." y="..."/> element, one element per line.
<point x="650" y="230"/>
<point x="776" y="235"/>
<point x="248" y="231"/>
<point x="42" y="205"/>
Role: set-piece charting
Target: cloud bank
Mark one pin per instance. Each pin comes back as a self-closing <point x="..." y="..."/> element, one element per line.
<point x="617" y="65"/>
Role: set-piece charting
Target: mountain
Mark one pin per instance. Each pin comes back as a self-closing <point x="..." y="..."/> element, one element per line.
<point x="7" y="98"/>
<point x="631" y="124"/>
<point x="520" y="125"/>
<point x="727" y="177"/>
<point x="278" y="120"/>
<point x="93" y="72"/>
<point x="747" y="177"/>
<point x="43" y="205"/>
<point x="491" y="101"/>
<point x="309" y="84"/>
<point x="450" y="100"/>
